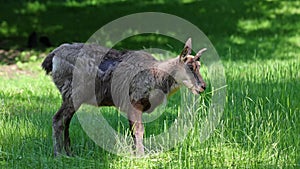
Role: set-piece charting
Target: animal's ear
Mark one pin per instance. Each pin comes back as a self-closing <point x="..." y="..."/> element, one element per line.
<point x="187" y="50"/>
<point x="198" y="55"/>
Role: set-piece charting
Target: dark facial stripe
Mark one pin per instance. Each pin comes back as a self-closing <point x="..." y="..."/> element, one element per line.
<point x="194" y="67"/>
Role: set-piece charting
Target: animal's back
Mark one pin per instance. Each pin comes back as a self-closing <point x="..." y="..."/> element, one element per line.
<point x="81" y="71"/>
<point x="62" y="60"/>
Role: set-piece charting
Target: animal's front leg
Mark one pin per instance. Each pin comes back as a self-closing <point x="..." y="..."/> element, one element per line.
<point x="137" y="131"/>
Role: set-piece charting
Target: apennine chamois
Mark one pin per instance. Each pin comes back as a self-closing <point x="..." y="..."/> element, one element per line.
<point x="128" y="80"/>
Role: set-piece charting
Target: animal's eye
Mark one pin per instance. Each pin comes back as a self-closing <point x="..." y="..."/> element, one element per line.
<point x="190" y="66"/>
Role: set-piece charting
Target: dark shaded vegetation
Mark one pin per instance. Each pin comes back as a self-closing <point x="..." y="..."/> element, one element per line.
<point x="240" y="30"/>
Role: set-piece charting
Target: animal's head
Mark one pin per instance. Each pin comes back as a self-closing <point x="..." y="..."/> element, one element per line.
<point x="189" y="74"/>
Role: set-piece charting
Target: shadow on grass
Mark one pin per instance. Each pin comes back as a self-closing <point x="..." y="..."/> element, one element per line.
<point x="240" y="30"/>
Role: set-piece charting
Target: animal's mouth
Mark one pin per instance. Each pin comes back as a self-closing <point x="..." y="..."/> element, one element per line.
<point x="197" y="91"/>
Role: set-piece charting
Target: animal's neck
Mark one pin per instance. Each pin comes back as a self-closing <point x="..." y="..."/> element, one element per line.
<point x="165" y="76"/>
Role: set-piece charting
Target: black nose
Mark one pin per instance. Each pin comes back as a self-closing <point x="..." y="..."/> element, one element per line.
<point x="203" y="87"/>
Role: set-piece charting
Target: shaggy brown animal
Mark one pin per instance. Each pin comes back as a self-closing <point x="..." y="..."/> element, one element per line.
<point x="133" y="81"/>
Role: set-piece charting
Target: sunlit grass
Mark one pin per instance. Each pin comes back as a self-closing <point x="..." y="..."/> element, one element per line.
<point x="32" y="8"/>
<point x="258" y="128"/>
<point x="288" y="7"/>
<point x="253" y="25"/>
<point x="295" y="40"/>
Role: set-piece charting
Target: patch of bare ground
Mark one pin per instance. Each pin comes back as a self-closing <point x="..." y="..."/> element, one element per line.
<point x="12" y="71"/>
<point x="9" y="56"/>
<point x="14" y="63"/>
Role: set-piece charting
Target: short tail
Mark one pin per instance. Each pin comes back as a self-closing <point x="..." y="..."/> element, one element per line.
<point x="47" y="63"/>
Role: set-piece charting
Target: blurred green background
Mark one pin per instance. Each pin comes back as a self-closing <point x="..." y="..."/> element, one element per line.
<point x="240" y="30"/>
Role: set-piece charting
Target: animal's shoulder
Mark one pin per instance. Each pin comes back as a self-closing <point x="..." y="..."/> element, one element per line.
<point x="143" y="55"/>
<point x="139" y="58"/>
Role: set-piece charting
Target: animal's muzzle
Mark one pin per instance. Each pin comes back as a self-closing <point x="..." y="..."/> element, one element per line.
<point x="203" y="87"/>
<point x="200" y="88"/>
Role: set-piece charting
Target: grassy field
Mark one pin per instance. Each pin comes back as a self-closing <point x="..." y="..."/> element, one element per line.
<point x="259" y="128"/>
<point x="258" y="43"/>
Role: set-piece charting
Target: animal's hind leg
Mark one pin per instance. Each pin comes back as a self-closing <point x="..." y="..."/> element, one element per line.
<point x="59" y="121"/>
<point x="57" y="129"/>
<point x="67" y="142"/>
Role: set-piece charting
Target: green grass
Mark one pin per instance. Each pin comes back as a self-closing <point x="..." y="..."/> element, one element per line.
<point x="258" y="43"/>
<point x="259" y="127"/>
